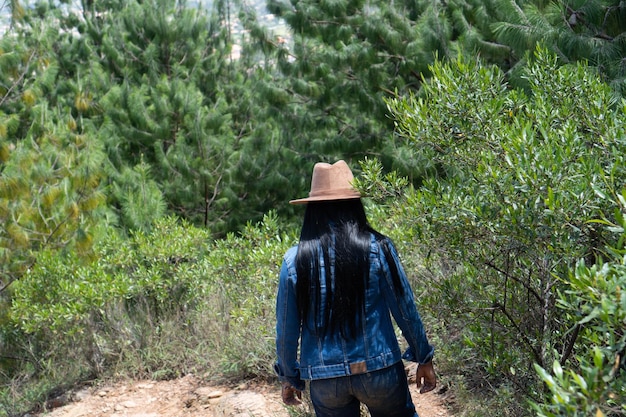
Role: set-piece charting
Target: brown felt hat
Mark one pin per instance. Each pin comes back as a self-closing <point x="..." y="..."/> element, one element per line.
<point x="330" y="182"/>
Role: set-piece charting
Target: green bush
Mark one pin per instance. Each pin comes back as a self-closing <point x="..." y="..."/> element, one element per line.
<point x="155" y="304"/>
<point x="592" y="381"/>
<point x="508" y="212"/>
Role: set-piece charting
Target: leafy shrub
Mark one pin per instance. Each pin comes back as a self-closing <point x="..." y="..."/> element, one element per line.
<point x="507" y="214"/>
<point x="592" y="381"/>
<point x="158" y="303"/>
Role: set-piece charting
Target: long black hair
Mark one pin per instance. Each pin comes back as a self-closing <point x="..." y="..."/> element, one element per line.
<point x="336" y="236"/>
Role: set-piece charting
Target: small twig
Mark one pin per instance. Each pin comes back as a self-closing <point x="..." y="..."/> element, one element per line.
<point x="19" y="80"/>
<point x="506" y="274"/>
<point x="570" y="345"/>
<point x="525" y="338"/>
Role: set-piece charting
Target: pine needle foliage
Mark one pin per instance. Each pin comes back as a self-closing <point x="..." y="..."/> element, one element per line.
<point x="50" y="193"/>
<point x="343" y="58"/>
<point x="141" y="200"/>
<point x="158" y="83"/>
<point x="147" y="84"/>
<point x="587" y="31"/>
<point x="50" y="172"/>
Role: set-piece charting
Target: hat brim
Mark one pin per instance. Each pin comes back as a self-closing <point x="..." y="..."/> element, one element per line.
<point x="324" y="198"/>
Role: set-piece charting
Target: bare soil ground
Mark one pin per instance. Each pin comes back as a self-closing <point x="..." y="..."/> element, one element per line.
<point x="192" y="397"/>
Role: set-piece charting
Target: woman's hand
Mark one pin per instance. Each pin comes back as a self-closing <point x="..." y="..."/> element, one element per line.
<point x="291" y="396"/>
<point x="426" y="372"/>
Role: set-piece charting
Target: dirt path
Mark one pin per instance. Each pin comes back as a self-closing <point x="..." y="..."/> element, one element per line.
<point x="192" y="397"/>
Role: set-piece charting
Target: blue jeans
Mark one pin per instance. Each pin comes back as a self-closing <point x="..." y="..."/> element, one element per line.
<point x="385" y="393"/>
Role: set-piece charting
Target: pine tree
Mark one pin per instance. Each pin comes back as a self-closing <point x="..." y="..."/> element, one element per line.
<point x="577" y="30"/>
<point x="156" y="83"/>
<point x="50" y="172"/>
<point x="146" y="81"/>
<point x="346" y="56"/>
<point x="205" y="124"/>
<point x="140" y="198"/>
<point x="228" y="139"/>
<point x="50" y="190"/>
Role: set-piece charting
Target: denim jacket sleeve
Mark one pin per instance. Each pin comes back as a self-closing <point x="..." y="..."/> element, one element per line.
<point x="288" y="325"/>
<point x="404" y="311"/>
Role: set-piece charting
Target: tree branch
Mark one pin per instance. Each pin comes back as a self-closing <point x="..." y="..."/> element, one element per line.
<point x="570" y="345"/>
<point x="514" y="278"/>
<point x="521" y="333"/>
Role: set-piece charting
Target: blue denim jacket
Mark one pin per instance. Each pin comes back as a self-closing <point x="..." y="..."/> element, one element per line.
<point x="375" y="346"/>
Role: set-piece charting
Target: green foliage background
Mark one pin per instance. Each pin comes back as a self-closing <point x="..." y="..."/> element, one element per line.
<point x="158" y="305"/>
<point x="523" y="197"/>
<point x="145" y="167"/>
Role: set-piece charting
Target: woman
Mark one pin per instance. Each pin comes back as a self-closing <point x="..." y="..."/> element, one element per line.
<point x="337" y="287"/>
